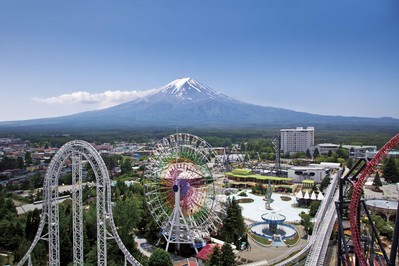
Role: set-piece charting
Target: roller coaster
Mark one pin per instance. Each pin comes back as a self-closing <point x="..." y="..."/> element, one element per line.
<point x="360" y="243"/>
<point x="77" y="153"/>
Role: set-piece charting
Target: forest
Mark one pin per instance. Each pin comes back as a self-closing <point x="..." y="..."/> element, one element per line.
<point x="353" y="135"/>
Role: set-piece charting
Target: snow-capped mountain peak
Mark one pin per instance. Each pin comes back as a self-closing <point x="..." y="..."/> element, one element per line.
<point x="190" y="89"/>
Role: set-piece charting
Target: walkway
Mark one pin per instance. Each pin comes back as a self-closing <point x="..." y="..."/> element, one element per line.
<point x="143" y="246"/>
<point x="262" y="253"/>
<point x="254" y="210"/>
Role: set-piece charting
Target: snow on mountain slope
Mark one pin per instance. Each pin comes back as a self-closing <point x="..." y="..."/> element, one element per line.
<point x="190" y="89"/>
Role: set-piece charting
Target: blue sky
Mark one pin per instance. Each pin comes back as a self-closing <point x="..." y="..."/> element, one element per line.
<point x="324" y="57"/>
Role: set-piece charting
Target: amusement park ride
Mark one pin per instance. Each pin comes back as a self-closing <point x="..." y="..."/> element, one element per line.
<point x="360" y="244"/>
<point x="181" y="194"/>
<point x="77" y="152"/>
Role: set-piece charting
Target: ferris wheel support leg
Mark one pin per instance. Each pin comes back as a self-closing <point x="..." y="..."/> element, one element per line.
<point x="170" y="230"/>
<point x="186" y="225"/>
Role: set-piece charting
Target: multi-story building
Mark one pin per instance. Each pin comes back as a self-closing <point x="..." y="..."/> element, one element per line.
<point x="360" y="151"/>
<point x="325" y="148"/>
<point x="296" y="140"/>
<point x="314" y="172"/>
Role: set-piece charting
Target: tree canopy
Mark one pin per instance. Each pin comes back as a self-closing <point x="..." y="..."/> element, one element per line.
<point x="222" y="256"/>
<point x="160" y="257"/>
<point x="233" y="224"/>
<point x="390" y="170"/>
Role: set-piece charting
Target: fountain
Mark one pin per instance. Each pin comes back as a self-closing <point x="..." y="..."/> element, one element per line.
<point x="273" y="227"/>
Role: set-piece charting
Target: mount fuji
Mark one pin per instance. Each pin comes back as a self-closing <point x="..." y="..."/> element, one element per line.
<point x="186" y="102"/>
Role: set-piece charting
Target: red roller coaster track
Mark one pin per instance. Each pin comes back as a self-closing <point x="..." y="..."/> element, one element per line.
<point x="357" y="192"/>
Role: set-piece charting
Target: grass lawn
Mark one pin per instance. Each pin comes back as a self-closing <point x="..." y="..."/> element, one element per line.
<point x="293" y="240"/>
<point x="261" y="240"/>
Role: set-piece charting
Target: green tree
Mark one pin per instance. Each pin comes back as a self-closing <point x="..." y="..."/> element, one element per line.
<point x="233" y="224"/>
<point x="149" y="225"/>
<point x="306" y="222"/>
<point x="342" y="153"/>
<point x="316" y="153"/>
<point x="160" y="257"/>
<point x="126" y="166"/>
<point x="7" y="208"/>
<point x="20" y="163"/>
<point x="37" y="180"/>
<point x="8" y="163"/>
<point x="385" y="228"/>
<point x="314" y="206"/>
<point x="377" y="180"/>
<point x="349" y="163"/>
<point x="65" y="179"/>
<point x="12" y="233"/>
<point x="325" y="182"/>
<point x="228" y="258"/>
<point x="28" y="158"/>
<point x="215" y="258"/>
<point x="390" y="171"/>
<point x="21" y="250"/>
<point x="90" y="176"/>
<point x="32" y="224"/>
<point x="111" y="160"/>
<point x="127" y="215"/>
<point x="314" y="187"/>
<point x="65" y="224"/>
<point x="37" y="254"/>
<point x="218" y="141"/>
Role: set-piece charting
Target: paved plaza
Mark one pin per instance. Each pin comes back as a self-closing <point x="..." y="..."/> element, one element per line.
<point x="254" y="210"/>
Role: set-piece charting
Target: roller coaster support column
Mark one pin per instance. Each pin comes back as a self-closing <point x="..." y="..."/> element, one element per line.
<point x="394" y="250"/>
<point x="342" y="204"/>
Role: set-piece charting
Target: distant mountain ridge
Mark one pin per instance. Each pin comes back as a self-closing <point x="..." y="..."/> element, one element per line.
<point x="186" y="102"/>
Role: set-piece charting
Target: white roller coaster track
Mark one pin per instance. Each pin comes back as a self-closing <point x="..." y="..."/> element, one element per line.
<point x="76" y="151"/>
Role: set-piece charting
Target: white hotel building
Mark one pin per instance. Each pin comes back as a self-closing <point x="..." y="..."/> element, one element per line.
<point x="296" y="140"/>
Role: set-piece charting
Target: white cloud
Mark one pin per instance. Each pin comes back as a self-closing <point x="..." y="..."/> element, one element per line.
<point x="103" y="99"/>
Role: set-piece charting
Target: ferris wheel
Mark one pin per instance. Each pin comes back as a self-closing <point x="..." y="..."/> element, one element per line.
<point x="180" y="193"/>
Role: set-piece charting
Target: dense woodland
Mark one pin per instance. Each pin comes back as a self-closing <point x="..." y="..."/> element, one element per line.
<point x="353" y="135"/>
<point x="129" y="215"/>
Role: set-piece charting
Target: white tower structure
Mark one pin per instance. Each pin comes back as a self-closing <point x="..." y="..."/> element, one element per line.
<point x="179" y="231"/>
<point x="297" y="140"/>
